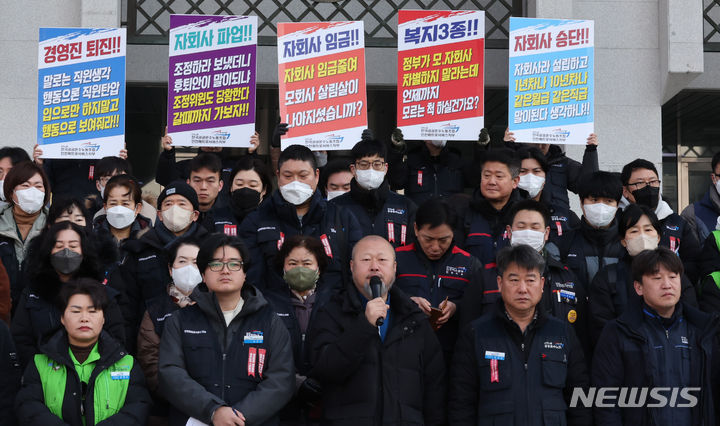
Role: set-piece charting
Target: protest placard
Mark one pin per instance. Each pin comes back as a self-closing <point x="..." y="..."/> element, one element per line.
<point x="551" y="81"/>
<point x="81" y="92"/>
<point x="440" y="74"/>
<point x="321" y="74"/>
<point x="211" y="82"/>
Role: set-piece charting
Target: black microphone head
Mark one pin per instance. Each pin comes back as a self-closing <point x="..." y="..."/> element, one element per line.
<point x="375" y="286"/>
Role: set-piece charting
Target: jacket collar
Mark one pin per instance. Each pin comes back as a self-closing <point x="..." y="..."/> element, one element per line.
<point x="287" y="212"/>
<point x="633" y="315"/>
<point x="372" y="199"/>
<point x="57" y="348"/>
<point x="207" y="301"/>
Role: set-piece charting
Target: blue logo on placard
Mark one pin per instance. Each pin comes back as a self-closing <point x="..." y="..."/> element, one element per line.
<point x="91" y="145"/>
<point x="221" y="133"/>
<point x="335" y="138"/>
<point x="451" y="127"/>
<point x="561" y="132"/>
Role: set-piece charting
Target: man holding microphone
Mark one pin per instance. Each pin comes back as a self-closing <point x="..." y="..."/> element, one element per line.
<point x="374" y="351"/>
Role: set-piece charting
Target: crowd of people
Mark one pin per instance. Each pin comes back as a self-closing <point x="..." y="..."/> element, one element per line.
<point x="399" y="283"/>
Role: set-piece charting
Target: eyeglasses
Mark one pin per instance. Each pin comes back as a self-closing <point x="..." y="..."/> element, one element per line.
<point x="233" y="265"/>
<point x="640" y="185"/>
<point x="364" y="165"/>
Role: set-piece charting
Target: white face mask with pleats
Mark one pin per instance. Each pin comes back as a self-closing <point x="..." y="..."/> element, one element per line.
<point x="296" y="192"/>
<point x="599" y="214"/>
<point x="534" y="239"/>
<point x="186" y="278"/>
<point x="30" y="200"/>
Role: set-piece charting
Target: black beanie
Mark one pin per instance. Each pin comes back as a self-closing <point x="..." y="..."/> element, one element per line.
<point x="179" y="187"/>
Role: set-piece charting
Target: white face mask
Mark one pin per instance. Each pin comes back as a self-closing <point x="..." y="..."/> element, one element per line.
<point x="120" y="217"/>
<point x="2" y="193"/>
<point x="102" y="192"/>
<point x="186" y="278"/>
<point x="439" y="144"/>
<point x="176" y="218"/>
<point x="599" y="214"/>
<point x="30" y="200"/>
<point x="717" y="186"/>
<point x="642" y="242"/>
<point x="534" y="239"/>
<point x="370" y="178"/>
<point x="296" y="192"/>
<point x="333" y="194"/>
<point x="532" y="184"/>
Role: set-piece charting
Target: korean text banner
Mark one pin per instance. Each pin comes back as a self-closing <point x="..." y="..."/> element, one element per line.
<point x="81" y="92"/>
<point x="551" y="83"/>
<point x="211" y="82"/>
<point x="321" y="74"/>
<point x="440" y="74"/>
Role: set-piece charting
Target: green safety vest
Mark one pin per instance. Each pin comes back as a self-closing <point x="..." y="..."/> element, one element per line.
<point x="715" y="275"/>
<point x="109" y="390"/>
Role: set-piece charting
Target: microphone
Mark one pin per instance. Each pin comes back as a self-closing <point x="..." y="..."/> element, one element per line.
<point x="376" y="289"/>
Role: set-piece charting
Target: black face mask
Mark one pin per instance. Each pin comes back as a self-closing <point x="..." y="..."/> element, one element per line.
<point x="243" y="201"/>
<point x="649" y="196"/>
<point x="66" y="261"/>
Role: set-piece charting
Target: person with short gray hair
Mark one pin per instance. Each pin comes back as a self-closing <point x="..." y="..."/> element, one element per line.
<point x="517" y="361"/>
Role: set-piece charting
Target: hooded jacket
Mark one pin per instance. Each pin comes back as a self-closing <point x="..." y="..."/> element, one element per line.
<point x="102" y="395"/>
<point x="265" y="229"/>
<point x="247" y="365"/>
<point x="370" y="382"/>
<point x="13" y="249"/>
<point x="702" y="215"/>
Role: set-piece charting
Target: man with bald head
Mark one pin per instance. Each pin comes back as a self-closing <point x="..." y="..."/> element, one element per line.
<point x="371" y="371"/>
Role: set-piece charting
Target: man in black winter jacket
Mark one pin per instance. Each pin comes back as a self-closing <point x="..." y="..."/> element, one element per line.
<point x="379" y="210"/>
<point x="297" y="208"/>
<point x="516" y="364"/>
<point x="227" y="359"/>
<point x="659" y="343"/>
<point x="563" y="295"/>
<point x="595" y="244"/>
<point x="564" y="173"/>
<point x="373" y="372"/>
<point x="214" y="205"/>
<point x="432" y="169"/>
<point x="10" y="373"/>
<point x="482" y="232"/>
<point x="143" y="273"/>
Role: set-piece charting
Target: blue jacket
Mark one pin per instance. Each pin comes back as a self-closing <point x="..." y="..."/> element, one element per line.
<point x="627" y="355"/>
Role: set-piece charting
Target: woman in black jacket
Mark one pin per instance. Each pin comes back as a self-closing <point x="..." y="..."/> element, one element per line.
<point x="65" y="252"/>
<point x="612" y="289"/>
